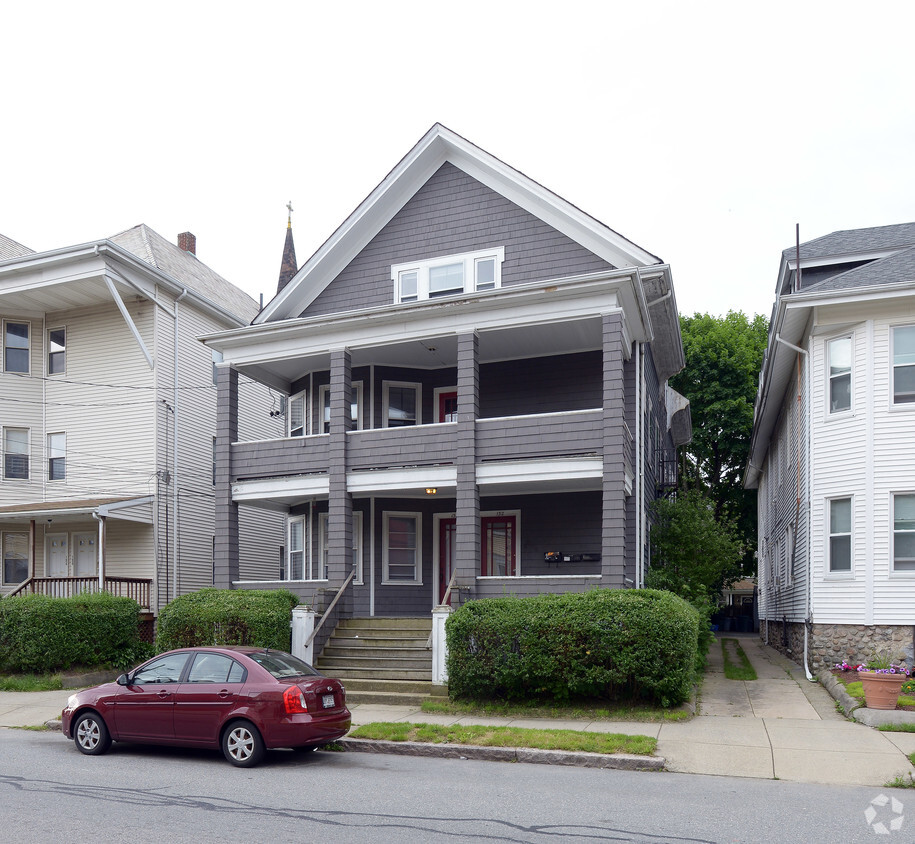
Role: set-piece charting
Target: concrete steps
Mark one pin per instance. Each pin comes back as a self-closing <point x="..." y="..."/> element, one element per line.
<point x="381" y="660"/>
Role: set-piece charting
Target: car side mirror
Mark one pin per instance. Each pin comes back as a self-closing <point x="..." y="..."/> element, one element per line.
<point x="123" y="680"/>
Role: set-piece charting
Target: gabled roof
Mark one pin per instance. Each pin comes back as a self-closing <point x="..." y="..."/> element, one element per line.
<point x="164" y="255"/>
<point x="440" y="145"/>
<point x="10" y="249"/>
<point x="893" y="269"/>
<point x="856" y="241"/>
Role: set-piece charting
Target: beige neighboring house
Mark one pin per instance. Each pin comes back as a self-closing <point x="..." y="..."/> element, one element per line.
<point x="107" y="477"/>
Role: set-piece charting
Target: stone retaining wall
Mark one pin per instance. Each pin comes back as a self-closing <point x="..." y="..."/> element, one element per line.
<point x="832" y="643"/>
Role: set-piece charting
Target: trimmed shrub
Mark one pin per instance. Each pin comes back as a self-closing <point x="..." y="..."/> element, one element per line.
<point x="227" y="617"/>
<point x="39" y="634"/>
<point x="603" y="643"/>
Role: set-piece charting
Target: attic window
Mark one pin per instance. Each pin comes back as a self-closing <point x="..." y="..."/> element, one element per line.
<point x="449" y="275"/>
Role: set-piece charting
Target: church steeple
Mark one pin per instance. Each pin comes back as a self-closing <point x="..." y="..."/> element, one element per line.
<point x="288" y="267"/>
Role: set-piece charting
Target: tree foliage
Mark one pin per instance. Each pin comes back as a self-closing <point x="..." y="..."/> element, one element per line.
<point x="693" y="553"/>
<point x="723" y="358"/>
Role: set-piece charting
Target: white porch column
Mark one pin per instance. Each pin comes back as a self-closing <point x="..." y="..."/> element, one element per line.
<point x="303" y="624"/>
<point x="439" y="645"/>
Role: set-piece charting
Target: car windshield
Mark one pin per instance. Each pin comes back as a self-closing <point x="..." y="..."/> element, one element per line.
<point x="282" y="665"/>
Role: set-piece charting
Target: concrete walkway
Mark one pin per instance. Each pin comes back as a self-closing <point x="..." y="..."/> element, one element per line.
<point x="778" y="726"/>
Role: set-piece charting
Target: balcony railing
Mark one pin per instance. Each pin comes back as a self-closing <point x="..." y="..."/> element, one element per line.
<point x="66" y="587"/>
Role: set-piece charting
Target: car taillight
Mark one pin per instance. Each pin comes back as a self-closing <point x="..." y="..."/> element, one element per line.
<point x="294" y="700"/>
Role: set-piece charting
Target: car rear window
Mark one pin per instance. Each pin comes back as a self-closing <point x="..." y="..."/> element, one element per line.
<point x="282" y="665"/>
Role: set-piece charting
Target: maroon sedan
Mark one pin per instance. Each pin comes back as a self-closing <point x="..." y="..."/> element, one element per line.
<point x="240" y="699"/>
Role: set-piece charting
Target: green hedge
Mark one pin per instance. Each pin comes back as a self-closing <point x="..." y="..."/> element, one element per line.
<point x="227" y="617"/>
<point x="42" y="635"/>
<point x="602" y="643"/>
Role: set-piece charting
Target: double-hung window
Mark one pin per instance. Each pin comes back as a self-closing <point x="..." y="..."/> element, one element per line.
<point x="904" y="532"/>
<point x="16" y="346"/>
<point x="904" y="364"/>
<point x="323" y="544"/>
<point x="839" y="353"/>
<point x="16" y="453"/>
<point x="839" y="514"/>
<point x="57" y="457"/>
<point x="449" y="275"/>
<point x="402" y="547"/>
<point x="296" y="545"/>
<point x="402" y="404"/>
<point x="297" y="407"/>
<point x="355" y="406"/>
<point x="15" y="558"/>
<point x="57" y="351"/>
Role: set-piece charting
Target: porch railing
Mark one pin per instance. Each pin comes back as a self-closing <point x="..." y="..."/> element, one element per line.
<point x="66" y="587"/>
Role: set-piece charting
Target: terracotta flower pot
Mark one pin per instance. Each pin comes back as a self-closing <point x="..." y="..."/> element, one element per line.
<point x="881" y="691"/>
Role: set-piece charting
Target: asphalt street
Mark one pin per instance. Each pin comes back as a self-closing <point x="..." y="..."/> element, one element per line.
<point x="48" y="791"/>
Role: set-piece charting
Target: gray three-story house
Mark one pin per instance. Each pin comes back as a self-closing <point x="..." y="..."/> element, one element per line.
<point x="475" y="375"/>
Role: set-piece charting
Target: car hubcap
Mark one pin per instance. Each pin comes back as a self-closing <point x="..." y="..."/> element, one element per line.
<point x="88" y="734"/>
<point x="241" y="744"/>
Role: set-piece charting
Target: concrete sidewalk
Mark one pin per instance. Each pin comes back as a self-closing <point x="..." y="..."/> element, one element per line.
<point x="778" y="726"/>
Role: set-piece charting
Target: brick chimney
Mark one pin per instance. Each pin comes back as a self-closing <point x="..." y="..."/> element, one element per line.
<point x="187" y="242"/>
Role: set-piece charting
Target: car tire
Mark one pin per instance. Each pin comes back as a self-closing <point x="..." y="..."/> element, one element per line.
<point x="242" y="744"/>
<point x="90" y="734"/>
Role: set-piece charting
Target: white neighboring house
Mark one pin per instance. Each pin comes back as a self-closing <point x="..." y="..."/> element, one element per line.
<point x="107" y="476"/>
<point x="833" y="450"/>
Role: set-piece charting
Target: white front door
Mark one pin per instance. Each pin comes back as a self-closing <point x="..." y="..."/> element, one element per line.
<point x="57" y="555"/>
<point x="86" y="562"/>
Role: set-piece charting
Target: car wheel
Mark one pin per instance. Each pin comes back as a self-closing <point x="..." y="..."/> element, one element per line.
<point x="90" y="734"/>
<point x="242" y="744"/>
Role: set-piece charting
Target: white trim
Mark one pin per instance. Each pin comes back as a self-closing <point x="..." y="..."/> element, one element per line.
<point x="358" y="543"/>
<point x="304" y="486"/>
<point x="894" y="405"/>
<point x="418" y="556"/>
<point x="28" y="452"/>
<point x="494" y="578"/>
<point x="845" y="411"/>
<point x="324" y="393"/>
<point x="412" y="479"/>
<point x="549" y="469"/>
<point x="47" y="351"/>
<point x="295" y="399"/>
<point x="894" y="573"/>
<point x="29" y="348"/>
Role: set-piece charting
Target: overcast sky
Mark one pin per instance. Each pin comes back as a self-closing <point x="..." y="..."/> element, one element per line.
<point x="701" y="131"/>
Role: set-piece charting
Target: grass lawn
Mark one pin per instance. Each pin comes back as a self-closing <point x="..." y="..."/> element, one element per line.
<point x="592" y="711"/>
<point x="739" y="670"/>
<point x="30" y="682"/>
<point x="482" y="736"/>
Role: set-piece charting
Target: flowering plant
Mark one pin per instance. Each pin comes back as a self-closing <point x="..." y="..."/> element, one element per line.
<point x="878" y="665"/>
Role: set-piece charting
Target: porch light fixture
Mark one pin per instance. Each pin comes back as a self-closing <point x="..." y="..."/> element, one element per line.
<point x="431" y="490"/>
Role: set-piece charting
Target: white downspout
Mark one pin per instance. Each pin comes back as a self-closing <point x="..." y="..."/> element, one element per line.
<point x="805" y="354"/>
<point x="175" y="543"/>
<point x="101" y="549"/>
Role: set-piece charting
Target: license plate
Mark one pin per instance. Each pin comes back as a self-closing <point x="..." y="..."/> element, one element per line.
<point x="328" y="701"/>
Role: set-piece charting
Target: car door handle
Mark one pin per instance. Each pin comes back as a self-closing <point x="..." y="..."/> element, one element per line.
<point x="163" y="694"/>
<point x="224" y="693"/>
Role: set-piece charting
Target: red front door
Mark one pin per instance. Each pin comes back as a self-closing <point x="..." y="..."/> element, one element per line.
<point x="447" y="407"/>
<point x="498" y="541"/>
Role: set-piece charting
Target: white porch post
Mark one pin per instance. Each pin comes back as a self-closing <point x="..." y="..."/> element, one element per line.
<point x="303" y="623"/>
<point x="439" y="645"/>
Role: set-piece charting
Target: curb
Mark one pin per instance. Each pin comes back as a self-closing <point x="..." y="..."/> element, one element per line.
<point x="837" y="690"/>
<point x="620" y="761"/>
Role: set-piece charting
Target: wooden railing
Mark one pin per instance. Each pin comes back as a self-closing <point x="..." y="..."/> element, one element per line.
<point x="66" y="587"/>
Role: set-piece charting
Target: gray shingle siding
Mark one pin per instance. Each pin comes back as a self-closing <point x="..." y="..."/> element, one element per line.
<point x="453" y="213"/>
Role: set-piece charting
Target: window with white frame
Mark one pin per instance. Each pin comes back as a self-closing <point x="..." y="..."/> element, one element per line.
<point x="839" y="526"/>
<point x="355" y="406"/>
<point x="295" y="570"/>
<point x="839" y="359"/>
<point x="296" y="414"/>
<point x="402" y="540"/>
<point x="904" y="532"/>
<point x="448" y="275"/>
<point x="904" y="364"/>
<point x="16" y="453"/>
<point x="57" y="351"/>
<point x="57" y="457"/>
<point x="16" y="346"/>
<point x="323" y="521"/>
<point x="402" y="404"/>
<point x="15" y="558"/>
